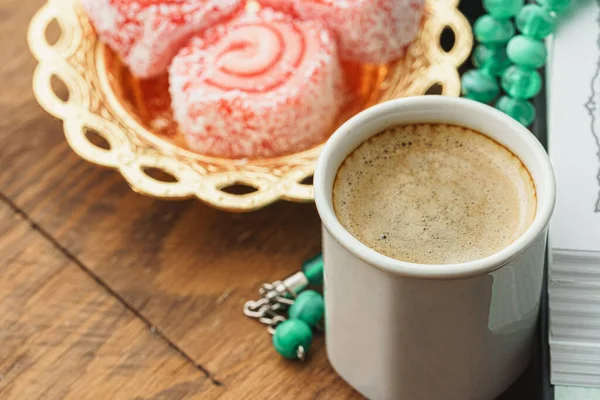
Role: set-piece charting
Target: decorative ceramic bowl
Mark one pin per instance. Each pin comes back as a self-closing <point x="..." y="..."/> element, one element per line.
<point x="115" y="120"/>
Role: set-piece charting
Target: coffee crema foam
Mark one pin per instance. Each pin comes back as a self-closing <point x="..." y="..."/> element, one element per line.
<point x="434" y="194"/>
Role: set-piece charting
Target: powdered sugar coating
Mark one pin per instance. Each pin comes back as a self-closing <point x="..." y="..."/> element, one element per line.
<point x="261" y="85"/>
<point x="368" y="31"/>
<point x="147" y="33"/>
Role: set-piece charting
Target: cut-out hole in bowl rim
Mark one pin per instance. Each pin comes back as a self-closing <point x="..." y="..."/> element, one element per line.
<point x="447" y="39"/>
<point x="53" y="32"/>
<point x="307" y="181"/>
<point x="159" y="175"/>
<point x="239" y="189"/>
<point x="435" y="89"/>
<point x="97" y="139"/>
<point x="59" y="88"/>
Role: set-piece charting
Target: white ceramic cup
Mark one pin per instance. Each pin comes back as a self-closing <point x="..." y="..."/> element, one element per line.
<point x="397" y="330"/>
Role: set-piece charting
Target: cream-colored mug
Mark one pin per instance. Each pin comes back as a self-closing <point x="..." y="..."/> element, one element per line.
<point x="396" y="330"/>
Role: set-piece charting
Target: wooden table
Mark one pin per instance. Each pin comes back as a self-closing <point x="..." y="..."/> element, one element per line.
<point x="106" y="294"/>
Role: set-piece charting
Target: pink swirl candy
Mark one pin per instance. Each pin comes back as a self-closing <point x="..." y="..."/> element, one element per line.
<point x="368" y="31"/>
<point x="147" y="33"/>
<point x="261" y="85"/>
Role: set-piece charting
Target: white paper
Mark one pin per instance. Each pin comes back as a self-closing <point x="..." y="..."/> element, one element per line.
<point x="574" y="128"/>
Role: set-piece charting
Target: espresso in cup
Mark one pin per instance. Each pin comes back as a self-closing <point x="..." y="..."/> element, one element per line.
<point x="434" y="194"/>
<point x="452" y="324"/>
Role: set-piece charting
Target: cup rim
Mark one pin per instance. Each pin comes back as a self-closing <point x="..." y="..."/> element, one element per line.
<point x="324" y="203"/>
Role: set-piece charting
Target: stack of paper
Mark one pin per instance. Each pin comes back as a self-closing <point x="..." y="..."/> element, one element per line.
<point x="574" y="144"/>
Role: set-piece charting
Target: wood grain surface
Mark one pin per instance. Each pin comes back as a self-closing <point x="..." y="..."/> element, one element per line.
<point x="63" y="336"/>
<point x="108" y="294"/>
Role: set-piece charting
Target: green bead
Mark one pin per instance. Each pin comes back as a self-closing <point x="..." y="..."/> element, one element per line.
<point x="521" y="83"/>
<point x="535" y="22"/>
<point x="313" y="269"/>
<point x="493" y="32"/>
<point x="557" y="6"/>
<point x="479" y="86"/>
<point x="521" y="110"/>
<point x="502" y="8"/>
<point x="491" y="60"/>
<point x="290" y="335"/>
<point x="309" y="307"/>
<point x="526" y="52"/>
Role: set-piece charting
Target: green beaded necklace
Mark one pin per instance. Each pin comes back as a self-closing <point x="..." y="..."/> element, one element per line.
<point x="513" y="59"/>
<point x="290" y="311"/>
